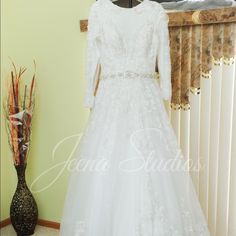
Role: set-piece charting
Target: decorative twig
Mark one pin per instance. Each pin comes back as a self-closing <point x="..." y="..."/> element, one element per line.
<point x="24" y="97"/>
<point x="13" y="89"/>
<point x="19" y="116"/>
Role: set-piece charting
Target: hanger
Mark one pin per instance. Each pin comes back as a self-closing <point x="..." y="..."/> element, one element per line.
<point x="130" y="3"/>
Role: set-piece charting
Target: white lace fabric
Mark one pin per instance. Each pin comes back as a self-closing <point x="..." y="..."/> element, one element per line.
<point x="132" y="40"/>
<point x="129" y="128"/>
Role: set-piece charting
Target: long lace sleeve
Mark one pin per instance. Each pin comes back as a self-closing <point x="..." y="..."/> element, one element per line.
<point x="163" y="55"/>
<point x="93" y="55"/>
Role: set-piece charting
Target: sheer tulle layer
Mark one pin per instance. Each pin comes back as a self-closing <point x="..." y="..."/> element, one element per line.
<point x="127" y="133"/>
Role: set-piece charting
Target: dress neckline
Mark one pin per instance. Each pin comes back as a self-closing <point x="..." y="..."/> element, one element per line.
<point x="127" y="9"/>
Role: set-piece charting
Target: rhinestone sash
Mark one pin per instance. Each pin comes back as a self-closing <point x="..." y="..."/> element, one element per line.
<point x="128" y="75"/>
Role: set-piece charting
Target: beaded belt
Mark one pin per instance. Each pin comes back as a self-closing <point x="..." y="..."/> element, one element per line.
<point x="128" y="75"/>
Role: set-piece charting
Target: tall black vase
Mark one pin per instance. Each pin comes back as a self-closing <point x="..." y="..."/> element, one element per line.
<point x="23" y="209"/>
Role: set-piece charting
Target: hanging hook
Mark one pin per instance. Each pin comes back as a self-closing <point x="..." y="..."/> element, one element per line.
<point x="130" y="3"/>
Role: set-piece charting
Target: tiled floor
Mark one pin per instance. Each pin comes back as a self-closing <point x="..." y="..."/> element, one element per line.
<point x="39" y="231"/>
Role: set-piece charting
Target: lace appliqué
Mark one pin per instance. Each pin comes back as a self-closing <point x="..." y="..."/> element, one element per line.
<point x="155" y="221"/>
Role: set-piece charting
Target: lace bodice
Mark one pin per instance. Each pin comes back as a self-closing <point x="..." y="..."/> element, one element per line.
<point x="127" y="39"/>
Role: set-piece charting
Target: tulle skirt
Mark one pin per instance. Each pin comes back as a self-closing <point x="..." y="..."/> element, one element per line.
<point x="129" y="175"/>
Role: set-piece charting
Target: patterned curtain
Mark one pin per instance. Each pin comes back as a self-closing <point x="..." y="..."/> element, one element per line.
<point x="195" y="48"/>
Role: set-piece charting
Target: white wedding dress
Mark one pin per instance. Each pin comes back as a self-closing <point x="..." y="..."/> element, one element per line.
<point x="120" y="186"/>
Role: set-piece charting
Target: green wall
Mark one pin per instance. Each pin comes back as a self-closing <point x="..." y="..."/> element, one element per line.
<point x="47" y="31"/>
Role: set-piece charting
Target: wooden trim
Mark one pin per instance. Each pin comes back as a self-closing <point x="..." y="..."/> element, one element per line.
<point x="47" y="223"/>
<point x="42" y="222"/>
<point x="83" y="25"/>
<point x="5" y="222"/>
<point x="181" y="18"/>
